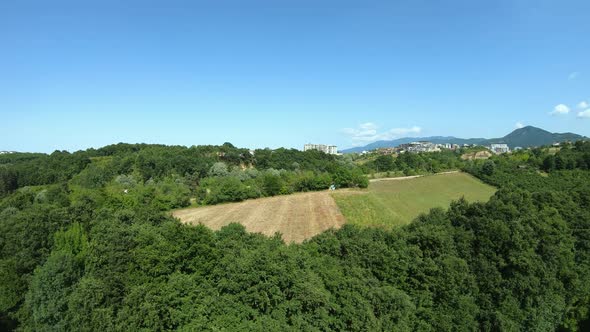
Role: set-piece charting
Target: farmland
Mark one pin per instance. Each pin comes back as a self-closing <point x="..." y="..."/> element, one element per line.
<point x="297" y="217"/>
<point x="301" y="216"/>
<point x="395" y="202"/>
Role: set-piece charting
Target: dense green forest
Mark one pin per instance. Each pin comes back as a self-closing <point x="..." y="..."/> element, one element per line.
<point x="170" y="174"/>
<point x="413" y="163"/>
<point x="86" y="244"/>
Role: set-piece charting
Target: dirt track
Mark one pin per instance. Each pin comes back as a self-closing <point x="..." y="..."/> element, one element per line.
<point x="297" y="217"/>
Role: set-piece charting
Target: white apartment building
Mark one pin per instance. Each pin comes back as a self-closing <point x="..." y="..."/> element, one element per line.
<point x="329" y="149"/>
<point x="499" y="148"/>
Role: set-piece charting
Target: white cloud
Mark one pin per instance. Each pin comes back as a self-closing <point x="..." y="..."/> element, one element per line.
<point x="403" y="131"/>
<point x="583" y="105"/>
<point x="560" y="109"/>
<point x="584" y="114"/>
<point x="368" y="129"/>
<point x="573" y="75"/>
<point x="368" y="133"/>
<point x="518" y="125"/>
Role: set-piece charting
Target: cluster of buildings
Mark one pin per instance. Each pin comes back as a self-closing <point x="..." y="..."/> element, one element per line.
<point x="329" y="149"/>
<point x="424" y="146"/>
<point x="413" y="147"/>
<point x="417" y="147"/>
<point x="6" y="152"/>
<point x="499" y="148"/>
<point x="421" y="146"/>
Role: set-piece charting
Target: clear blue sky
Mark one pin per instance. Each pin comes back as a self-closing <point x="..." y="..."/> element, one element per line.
<point x="82" y="74"/>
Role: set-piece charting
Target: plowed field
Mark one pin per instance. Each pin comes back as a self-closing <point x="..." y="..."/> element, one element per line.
<point x="297" y="217"/>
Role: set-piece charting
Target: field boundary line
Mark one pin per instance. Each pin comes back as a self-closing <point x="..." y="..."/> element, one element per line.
<point x="399" y="178"/>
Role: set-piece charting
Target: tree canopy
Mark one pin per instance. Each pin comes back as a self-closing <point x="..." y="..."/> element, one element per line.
<point x="92" y="247"/>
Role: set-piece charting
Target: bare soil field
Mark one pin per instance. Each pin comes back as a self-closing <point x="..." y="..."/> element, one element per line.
<point x="480" y="155"/>
<point x="298" y="216"/>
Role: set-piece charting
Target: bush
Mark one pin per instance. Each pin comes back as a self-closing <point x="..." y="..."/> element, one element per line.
<point x="489" y="167"/>
<point x="272" y="184"/>
<point x="350" y="178"/>
<point x="226" y="189"/>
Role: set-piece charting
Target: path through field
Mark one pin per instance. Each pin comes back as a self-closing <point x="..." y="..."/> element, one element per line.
<point x="297" y="217"/>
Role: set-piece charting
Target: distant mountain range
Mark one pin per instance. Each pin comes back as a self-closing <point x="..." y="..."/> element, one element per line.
<point x="525" y="137"/>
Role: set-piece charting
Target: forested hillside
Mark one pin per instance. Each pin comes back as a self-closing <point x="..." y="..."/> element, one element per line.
<point x="171" y="174"/>
<point x="87" y="244"/>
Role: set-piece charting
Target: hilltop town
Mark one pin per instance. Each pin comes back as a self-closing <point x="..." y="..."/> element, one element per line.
<point x="413" y="147"/>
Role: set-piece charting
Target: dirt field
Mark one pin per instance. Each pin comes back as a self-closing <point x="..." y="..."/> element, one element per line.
<point x="480" y="155"/>
<point x="388" y="202"/>
<point x="297" y="217"/>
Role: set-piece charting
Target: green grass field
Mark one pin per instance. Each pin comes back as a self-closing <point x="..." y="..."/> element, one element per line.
<point x="397" y="202"/>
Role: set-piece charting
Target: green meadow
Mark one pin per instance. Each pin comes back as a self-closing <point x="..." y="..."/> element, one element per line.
<point x="396" y="202"/>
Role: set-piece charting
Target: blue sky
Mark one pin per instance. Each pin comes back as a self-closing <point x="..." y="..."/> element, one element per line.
<point x="82" y="74"/>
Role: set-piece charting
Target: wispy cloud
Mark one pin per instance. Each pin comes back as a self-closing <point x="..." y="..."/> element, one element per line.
<point x="560" y="109"/>
<point x="368" y="132"/>
<point x="518" y="125"/>
<point x="584" y="112"/>
<point x="573" y="75"/>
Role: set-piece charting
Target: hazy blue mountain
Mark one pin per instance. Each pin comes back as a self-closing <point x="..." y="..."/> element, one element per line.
<point x="525" y="137"/>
